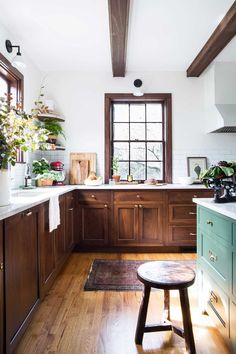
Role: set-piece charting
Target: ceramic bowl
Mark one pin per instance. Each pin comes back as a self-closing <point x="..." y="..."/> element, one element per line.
<point x="186" y="180"/>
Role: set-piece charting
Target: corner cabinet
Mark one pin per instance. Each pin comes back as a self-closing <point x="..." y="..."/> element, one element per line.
<point x="216" y="248"/>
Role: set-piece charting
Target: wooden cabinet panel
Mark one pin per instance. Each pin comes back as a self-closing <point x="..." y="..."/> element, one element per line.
<point x="125" y="224"/>
<point x="21" y="273"/>
<point x="182" y="213"/>
<point x="1" y="291"/>
<point x="69" y="222"/>
<point x="94" y="196"/>
<point x="185" y="197"/>
<point x="138" y="196"/>
<point x="151" y="224"/>
<point x="60" y="248"/>
<point x="182" y="235"/>
<point x="93" y="224"/>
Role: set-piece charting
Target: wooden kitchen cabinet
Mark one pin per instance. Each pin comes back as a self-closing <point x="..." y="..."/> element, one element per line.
<point x="22" y="290"/>
<point x="69" y="222"/>
<point x="182" y="230"/>
<point x="94" y="218"/>
<point x="1" y="291"/>
<point x="60" y="234"/>
<point x="138" y="218"/>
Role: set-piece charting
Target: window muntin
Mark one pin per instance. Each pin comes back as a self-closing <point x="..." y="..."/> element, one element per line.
<point x="137" y="139"/>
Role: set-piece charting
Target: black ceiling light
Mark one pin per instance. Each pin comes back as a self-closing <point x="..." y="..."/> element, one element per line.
<point x="137" y="84"/>
<point x="9" y="47"/>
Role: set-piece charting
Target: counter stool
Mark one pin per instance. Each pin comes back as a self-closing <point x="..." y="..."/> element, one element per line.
<point x="167" y="276"/>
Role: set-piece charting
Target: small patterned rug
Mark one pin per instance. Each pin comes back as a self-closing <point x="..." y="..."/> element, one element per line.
<point x="118" y="275"/>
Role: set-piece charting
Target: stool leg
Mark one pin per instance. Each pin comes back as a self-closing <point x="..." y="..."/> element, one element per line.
<point x="187" y="323"/>
<point x="142" y="316"/>
<point x="166" y="305"/>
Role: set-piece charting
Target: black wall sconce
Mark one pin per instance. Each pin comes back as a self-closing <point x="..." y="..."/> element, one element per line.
<point x="9" y="47"/>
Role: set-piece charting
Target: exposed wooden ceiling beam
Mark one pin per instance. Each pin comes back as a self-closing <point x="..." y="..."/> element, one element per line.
<point x="222" y="35"/>
<point x="118" y="19"/>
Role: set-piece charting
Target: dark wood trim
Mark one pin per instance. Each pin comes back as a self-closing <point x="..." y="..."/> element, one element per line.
<point x="222" y="35"/>
<point x="14" y="76"/>
<point x="118" y="20"/>
<point x="166" y="99"/>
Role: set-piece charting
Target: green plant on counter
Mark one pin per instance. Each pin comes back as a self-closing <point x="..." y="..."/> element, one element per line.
<point x="223" y="169"/>
<point x="53" y="175"/>
<point x="40" y="166"/>
<point x="115" y="165"/>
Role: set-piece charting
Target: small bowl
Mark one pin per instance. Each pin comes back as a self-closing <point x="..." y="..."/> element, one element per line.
<point x="186" y="180"/>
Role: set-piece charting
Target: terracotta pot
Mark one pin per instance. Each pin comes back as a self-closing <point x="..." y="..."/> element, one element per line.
<point x="44" y="182"/>
<point x="116" y="178"/>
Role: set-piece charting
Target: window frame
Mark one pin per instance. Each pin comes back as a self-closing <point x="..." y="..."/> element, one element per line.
<point x="166" y="100"/>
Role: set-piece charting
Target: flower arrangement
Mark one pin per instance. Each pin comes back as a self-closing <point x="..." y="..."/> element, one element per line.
<point x="18" y="130"/>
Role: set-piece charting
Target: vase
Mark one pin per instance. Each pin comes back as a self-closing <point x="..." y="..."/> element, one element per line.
<point x="5" y="187"/>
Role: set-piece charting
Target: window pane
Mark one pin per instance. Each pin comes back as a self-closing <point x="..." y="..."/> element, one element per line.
<point x="123" y="169"/>
<point x="137" y="131"/>
<point x="137" y="113"/>
<point x="3" y="87"/>
<point x="154" y="170"/>
<point x="121" y="131"/>
<point x="121" y="151"/>
<point x="137" y="169"/>
<point x="154" y="131"/>
<point x="154" y="112"/>
<point x="154" y="151"/>
<point x="121" y="112"/>
<point x="137" y="151"/>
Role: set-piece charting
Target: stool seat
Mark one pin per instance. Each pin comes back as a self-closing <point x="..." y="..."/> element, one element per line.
<point x="166" y="275"/>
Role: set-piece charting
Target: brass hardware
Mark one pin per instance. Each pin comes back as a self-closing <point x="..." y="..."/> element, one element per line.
<point x="138" y="196"/>
<point x="70" y="209"/>
<point x="213" y="298"/>
<point x="28" y="213"/>
<point x="140" y="206"/>
<point x="1" y="266"/>
<point x="209" y="222"/>
<point x="136" y="206"/>
<point x="192" y="213"/>
<point x="105" y="206"/>
<point x="93" y="196"/>
<point x="195" y="196"/>
<point x="213" y="257"/>
<point x="192" y="234"/>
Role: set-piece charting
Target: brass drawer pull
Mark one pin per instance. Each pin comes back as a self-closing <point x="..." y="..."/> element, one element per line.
<point x="70" y="209"/>
<point x="27" y="213"/>
<point x="213" y="257"/>
<point x="195" y="196"/>
<point x="209" y="222"/>
<point x="93" y="196"/>
<point x="136" y="206"/>
<point x="1" y="266"/>
<point x="192" y="213"/>
<point x="105" y="206"/>
<point x="140" y="206"/>
<point x="138" y="196"/>
<point x="192" y="234"/>
<point x="213" y="298"/>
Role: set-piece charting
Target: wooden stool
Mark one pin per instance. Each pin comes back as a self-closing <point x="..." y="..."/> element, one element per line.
<point x="167" y="276"/>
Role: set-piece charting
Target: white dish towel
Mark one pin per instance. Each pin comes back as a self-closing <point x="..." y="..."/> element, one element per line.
<point x="54" y="213"/>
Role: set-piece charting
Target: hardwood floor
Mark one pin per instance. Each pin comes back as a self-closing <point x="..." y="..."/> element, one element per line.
<point x="71" y="321"/>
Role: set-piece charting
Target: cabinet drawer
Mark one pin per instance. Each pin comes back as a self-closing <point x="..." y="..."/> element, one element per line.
<point x="217" y="304"/>
<point x="217" y="256"/>
<point x="185" y="197"/>
<point x="144" y="196"/>
<point x="215" y="224"/>
<point x="182" y="235"/>
<point x="94" y="196"/>
<point x="180" y="213"/>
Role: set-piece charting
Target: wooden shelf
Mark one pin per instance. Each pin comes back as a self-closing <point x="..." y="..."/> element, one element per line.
<point x="43" y="116"/>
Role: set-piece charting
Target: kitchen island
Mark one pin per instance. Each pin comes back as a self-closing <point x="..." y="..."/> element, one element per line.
<point x="216" y="257"/>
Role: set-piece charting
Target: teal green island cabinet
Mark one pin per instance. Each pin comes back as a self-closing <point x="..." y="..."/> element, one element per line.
<point x="216" y="259"/>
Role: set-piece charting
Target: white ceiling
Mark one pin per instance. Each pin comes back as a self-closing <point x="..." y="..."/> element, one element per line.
<point x="163" y="34"/>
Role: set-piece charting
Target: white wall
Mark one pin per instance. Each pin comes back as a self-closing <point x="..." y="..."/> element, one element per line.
<point x="32" y="83"/>
<point x="79" y="96"/>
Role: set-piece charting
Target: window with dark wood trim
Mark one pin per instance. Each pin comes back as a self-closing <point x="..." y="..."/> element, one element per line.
<point x="138" y="132"/>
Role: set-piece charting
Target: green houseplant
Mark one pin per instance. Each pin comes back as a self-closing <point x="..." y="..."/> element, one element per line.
<point x="115" y="169"/>
<point x="54" y="127"/>
<point x="222" y="169"/>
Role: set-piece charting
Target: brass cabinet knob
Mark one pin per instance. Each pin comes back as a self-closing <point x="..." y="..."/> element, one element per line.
<point x="136" y="206"/>
<point x="93" y="196"/>
<point x="105" y="206"/>
<point x="195" y="196"/>
<point x="138" y="196"/>
<point x="140" y="206"/>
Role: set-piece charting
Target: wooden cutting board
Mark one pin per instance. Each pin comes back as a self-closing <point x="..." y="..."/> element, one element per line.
<point x="81" y="164"/>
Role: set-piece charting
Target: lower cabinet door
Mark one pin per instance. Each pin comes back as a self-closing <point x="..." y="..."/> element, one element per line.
<point x="93" y="224"/>
<point x="150" y="224"/>
<point x="180" y="235"/>
<point x="126" y="225"/>
<point x="21" y="274"/>
<point x="60" y="247"/>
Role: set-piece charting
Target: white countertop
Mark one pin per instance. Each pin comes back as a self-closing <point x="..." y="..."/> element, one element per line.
<point x="24" y="199"/>
<point x="226" y="209"/>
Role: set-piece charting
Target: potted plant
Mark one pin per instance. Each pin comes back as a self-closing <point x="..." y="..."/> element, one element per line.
<point x="18" y="130"/>
<point x="54" y="128"/>
<point x="115" y="169"/>
<point x="222" y="169"/>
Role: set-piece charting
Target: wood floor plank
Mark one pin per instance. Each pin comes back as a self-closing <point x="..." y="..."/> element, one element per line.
<point x="72" y="321"/>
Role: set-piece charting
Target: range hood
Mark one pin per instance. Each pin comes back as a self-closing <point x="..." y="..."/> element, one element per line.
<point x="220" y="97"/>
